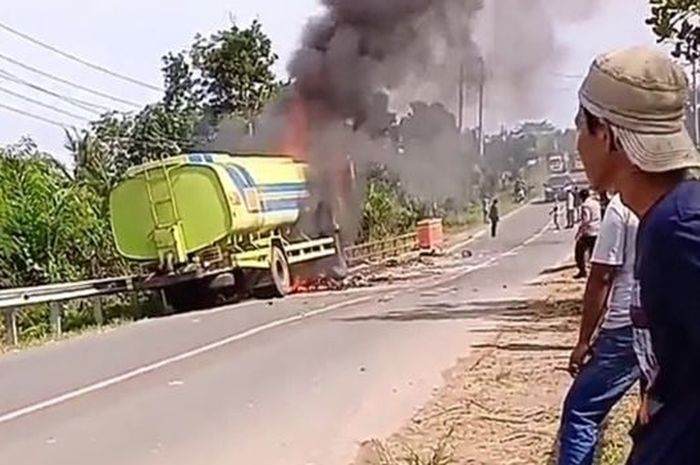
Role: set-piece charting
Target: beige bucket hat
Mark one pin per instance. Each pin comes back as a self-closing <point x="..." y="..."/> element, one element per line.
<point x="642" y="94"/>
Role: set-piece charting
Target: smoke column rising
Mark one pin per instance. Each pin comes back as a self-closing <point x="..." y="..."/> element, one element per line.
<point x="365" y="64"/>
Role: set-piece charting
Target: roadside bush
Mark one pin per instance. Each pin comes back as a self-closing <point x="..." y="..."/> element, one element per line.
<point x="387" y="210"/>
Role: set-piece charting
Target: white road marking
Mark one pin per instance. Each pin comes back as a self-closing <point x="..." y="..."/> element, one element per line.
<point x="146" y="369"/>
<point x="491" y="261"/>
<point x="13" y="415"/>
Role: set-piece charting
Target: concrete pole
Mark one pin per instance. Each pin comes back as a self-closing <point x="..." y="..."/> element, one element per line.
<point x="11" y="332"/>
<point x="482" y="85"/>
<point x="460" y="98"/>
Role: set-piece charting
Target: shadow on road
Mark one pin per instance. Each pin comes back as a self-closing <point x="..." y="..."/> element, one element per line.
<point x="525" y="347"/>
<point x="513" y="311"/>
<point x="558" y="269"/>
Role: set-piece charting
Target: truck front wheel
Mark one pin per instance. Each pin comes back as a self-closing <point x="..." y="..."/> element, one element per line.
<point x="278" y="279"/>
<point x="279" y="269"/>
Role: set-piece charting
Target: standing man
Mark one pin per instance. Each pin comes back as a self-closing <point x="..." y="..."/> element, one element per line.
<point x="632" y="137"/>
<point x="494" y="216"/>
<point x="604" y="367"/>
<point x="554" y="213"/>
<point x="587" y="232"/>
<point x="570" y="207"/>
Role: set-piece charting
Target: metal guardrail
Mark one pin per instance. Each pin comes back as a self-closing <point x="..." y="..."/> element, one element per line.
<point x="20" y="297"/>
<point x="377" y="251"/>
<point x="12" y="300"/>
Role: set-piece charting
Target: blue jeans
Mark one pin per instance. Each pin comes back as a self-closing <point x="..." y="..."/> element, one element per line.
<point x="602" y="382"/>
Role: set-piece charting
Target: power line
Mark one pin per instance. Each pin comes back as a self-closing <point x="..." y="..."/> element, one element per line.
<point x="68" y="83"/>
<point x="569" y="76"/>
<point x="42" y="104"/>
<point x="77" y="59"/>
<point x="32" y="115"/>
<point x="82" y="104"/>
<point x="156" y="141"/>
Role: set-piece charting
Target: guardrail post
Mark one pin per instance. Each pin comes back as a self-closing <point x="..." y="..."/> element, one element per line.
<point x="97" y="310"/>
<point x="56" y="329"/>
<point x="11" y="333"/>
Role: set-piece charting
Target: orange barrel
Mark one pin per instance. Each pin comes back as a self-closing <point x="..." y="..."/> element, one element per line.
<point x="430" y="234"/>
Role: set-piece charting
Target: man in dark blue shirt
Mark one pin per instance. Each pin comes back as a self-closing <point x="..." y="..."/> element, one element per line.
<point x="632" y="139"/>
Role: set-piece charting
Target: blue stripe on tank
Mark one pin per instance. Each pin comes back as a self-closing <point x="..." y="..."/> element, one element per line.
<point x="282" y="187"/>
<point x="236" y="177"/>
<point x="246" y="175"/>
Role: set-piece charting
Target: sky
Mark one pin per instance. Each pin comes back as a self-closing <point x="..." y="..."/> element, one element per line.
<point x="131" y="36"/>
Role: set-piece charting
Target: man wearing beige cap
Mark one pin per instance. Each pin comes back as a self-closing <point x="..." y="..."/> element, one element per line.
<point x="633" y="140"/>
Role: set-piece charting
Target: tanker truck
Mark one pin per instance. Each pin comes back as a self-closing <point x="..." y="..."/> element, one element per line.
<point x="202" y="225"/>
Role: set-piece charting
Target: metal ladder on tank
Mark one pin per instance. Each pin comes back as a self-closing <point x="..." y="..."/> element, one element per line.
<point x="167" y="234"/>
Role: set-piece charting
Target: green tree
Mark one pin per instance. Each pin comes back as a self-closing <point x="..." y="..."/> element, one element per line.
<point x="677" y="22"/>
<point x="52" y="225"/>
<point x="226" y="74"/>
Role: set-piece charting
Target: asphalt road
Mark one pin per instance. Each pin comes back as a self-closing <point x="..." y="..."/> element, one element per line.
<point x="296" y="381"/>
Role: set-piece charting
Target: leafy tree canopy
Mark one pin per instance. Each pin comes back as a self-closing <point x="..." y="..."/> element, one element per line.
<point x="227" y="73"/>
<point x="678" y="23"/>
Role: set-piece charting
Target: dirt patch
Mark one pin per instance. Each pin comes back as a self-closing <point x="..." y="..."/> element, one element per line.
<point x="502" y="405"/>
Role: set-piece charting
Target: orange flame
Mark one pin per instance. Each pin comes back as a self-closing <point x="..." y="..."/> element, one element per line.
<point x="295" y="139"/>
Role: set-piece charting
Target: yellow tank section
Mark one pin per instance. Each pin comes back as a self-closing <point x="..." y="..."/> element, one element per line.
<point x="169" y="209"/>
<point x="266" y="192"/>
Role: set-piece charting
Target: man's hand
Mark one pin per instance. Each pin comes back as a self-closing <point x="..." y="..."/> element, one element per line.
<point x="644" y="414"/>
<point x="578" y="358"/>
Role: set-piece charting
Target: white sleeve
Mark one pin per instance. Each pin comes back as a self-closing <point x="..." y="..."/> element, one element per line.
<point x="610" y="245"/>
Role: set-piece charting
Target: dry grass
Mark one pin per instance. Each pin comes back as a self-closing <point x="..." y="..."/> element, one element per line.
<point x="616" y="442"/>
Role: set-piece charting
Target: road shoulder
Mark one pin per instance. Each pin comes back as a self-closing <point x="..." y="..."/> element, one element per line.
<point x="502" y="404"/>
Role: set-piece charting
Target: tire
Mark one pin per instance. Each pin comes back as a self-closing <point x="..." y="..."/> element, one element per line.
<point x="190" y="296"/>
<point x="279" y="275"/>
<point x="338" y="268"/>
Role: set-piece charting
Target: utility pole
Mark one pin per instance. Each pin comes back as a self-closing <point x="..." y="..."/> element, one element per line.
<point x="482" y="85"/>
<point x="460" y="111"/>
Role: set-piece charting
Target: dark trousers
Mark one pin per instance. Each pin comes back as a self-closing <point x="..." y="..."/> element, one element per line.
<point x="584" y="248"/>
<point x="570" y="218"/>
<point x="608" y="375"/>
<point x="672" y="437"/>
<point x="494" y="227"/>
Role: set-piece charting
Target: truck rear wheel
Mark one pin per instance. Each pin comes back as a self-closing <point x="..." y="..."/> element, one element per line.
<point x="190" y="295"/>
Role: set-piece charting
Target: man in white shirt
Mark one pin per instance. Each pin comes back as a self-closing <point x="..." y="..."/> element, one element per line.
<point x="604" y="366"/>
<point x="587" y="232"/>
